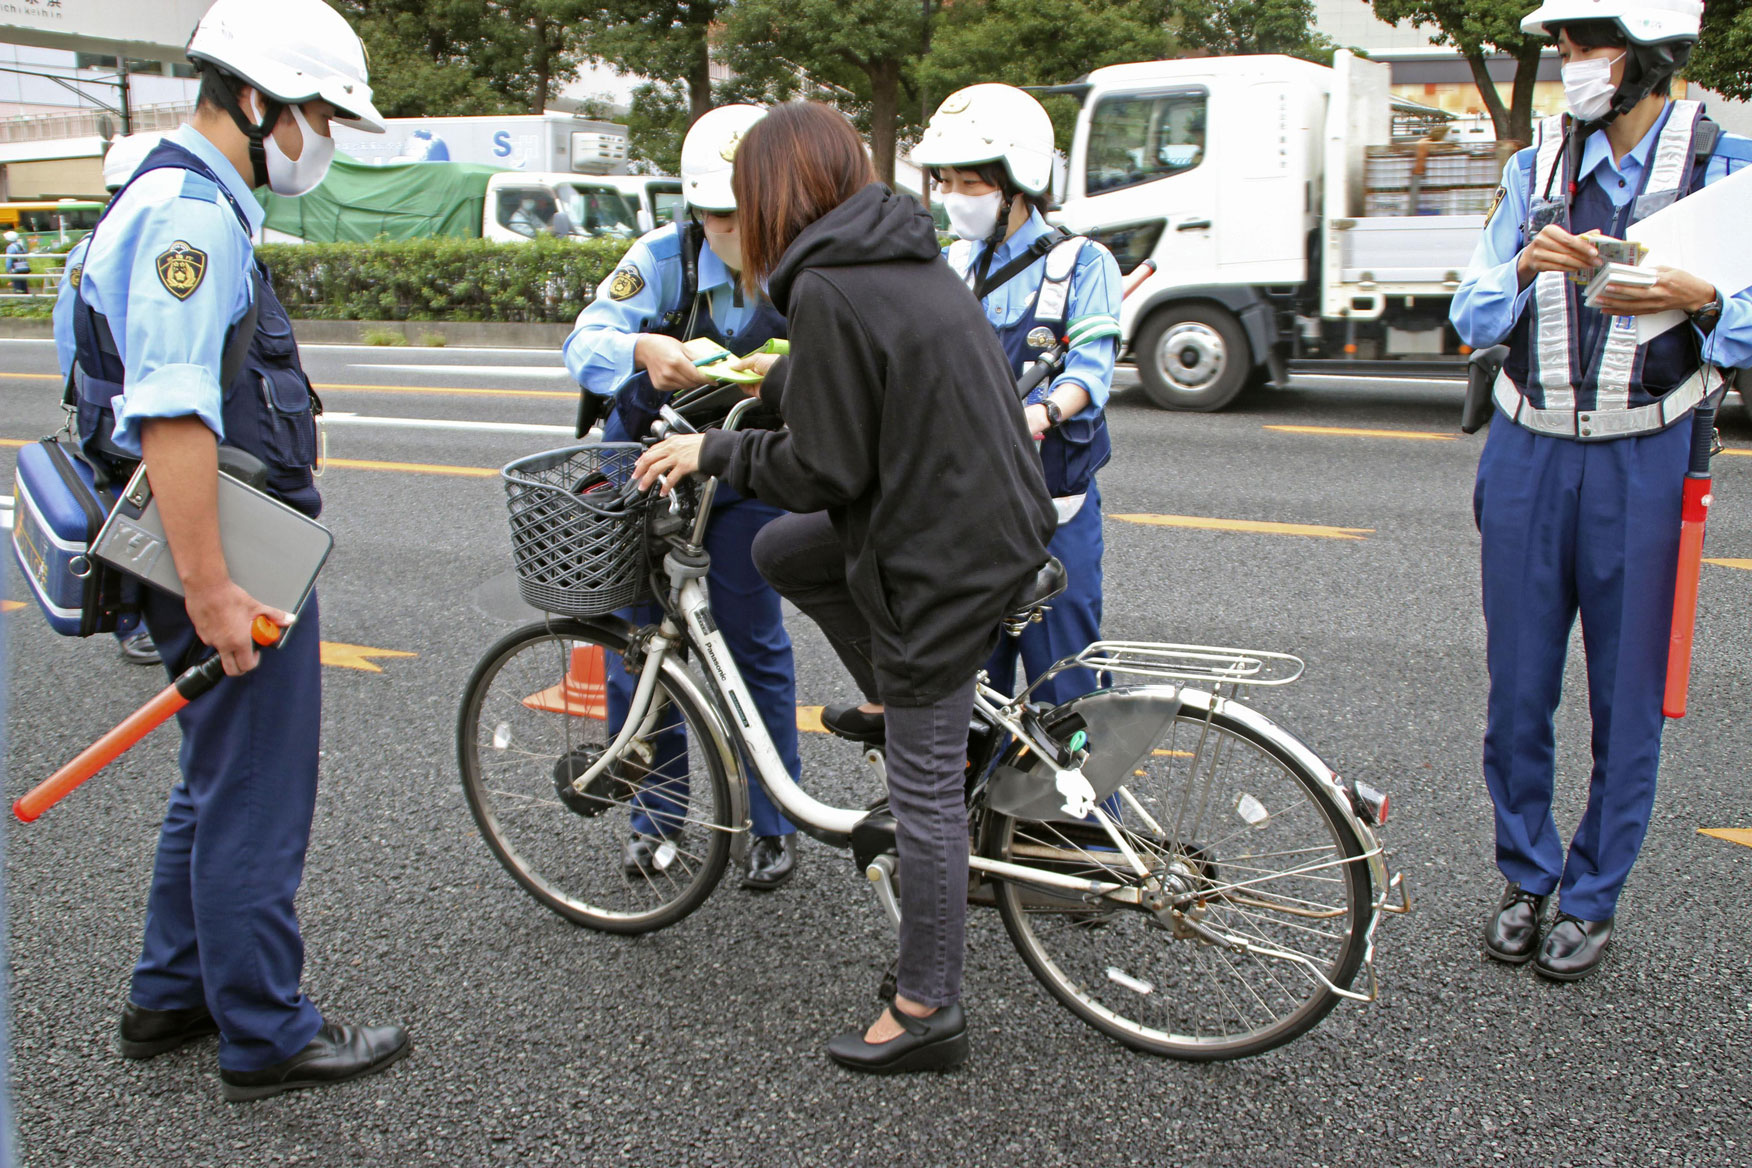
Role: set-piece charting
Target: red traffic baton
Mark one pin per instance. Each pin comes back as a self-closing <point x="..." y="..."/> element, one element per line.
<point x="1693" y="513"/>
<point x="191" y="684"/>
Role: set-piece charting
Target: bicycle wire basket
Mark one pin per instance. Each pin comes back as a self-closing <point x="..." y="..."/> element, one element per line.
<point x="578" y="546"/>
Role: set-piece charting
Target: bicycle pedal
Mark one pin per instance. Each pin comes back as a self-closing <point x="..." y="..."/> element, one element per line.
<point x="889" y="986"/>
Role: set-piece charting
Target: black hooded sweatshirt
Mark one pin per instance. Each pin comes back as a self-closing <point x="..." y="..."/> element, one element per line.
<point x="902" y="423"/>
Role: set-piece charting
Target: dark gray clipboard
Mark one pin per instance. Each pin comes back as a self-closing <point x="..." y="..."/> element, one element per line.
<point x="272" y="551"/>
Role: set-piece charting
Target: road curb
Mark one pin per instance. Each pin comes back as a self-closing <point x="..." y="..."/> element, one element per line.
<point x="458" y="333"/>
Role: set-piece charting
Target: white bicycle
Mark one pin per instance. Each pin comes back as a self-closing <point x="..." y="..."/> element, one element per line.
<point x="1176" y="869"/>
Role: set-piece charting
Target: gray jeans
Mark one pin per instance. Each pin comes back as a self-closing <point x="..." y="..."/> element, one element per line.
<point x="927" y="756"/>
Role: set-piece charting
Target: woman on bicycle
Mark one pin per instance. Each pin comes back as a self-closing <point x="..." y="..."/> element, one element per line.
<point x="903" y="427"/>
<point x="677" y="283"/>
<point x="989" y="149"/>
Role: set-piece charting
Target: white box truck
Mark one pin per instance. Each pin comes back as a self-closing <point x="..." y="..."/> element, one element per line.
<point x="1243" y="179"/>
<point x="527" y="142"/>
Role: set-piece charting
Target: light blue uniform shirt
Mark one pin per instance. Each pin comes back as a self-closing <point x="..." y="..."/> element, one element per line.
<point x="1490" y="300"/>
<point x="599" y="353"/>
<point x="1095" y="291"/>
<point x="65" y="344"/>
<point x="172" y="349"/>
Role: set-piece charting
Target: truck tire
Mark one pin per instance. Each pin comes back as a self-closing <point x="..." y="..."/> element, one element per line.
<point x="1193" y="357"/>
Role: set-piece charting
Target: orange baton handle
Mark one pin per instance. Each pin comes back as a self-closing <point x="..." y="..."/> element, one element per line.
<point x="191" y="684"/>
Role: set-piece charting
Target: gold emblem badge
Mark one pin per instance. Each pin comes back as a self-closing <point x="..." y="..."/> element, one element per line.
<point x="955" y="103"/>
<point x="1040" y="337"/>
<point x="181" y="269"/>
<point x="76" y="275"/>
<point x="1495" y="202"/>
<point x="728" y="154"/>
<point x="625" y="283"/>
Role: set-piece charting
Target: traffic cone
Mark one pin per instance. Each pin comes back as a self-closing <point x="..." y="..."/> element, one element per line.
<point x="584" y="692"/>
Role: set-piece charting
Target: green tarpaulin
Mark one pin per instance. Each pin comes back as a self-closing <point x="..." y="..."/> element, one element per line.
<point x="356" y="203"/>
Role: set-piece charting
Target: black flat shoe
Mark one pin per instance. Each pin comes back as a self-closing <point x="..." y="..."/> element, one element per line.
<point x="1512" y="933"/>
<point x="772" y="860"/>
<point x="647" y="855"/>
<point x="848" y="721"/>
<point x="936" y="1043"/>
<point x="139" y="649"/>
<point x="1573" y="948"/>
<point x="338" y="1052"/>
<point x="149" y="1033"/>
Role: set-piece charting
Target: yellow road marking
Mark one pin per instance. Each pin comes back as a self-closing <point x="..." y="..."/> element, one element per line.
<point x="1172" y="754"/>
<point x="342" y="387"/>
<point x="9" y="605"/>
<point x="1746" y="564"/>
<point x="1251" y="525"/>
<point x="1734" y="835"/>
<point x="809" y="718"/>
<point x="472" y="472"/>
<point x="14" y="441"/>
<point x="344" y="656"/>
<point x="1737" y="453"/>
<point x="1348" y="432"/>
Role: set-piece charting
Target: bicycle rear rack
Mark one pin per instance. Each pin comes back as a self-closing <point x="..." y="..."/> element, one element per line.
<point x="1198" y="663"/>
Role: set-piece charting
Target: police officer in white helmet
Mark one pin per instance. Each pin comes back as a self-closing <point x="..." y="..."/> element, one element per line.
<point x="179" y="345"/>
<point x="1579" y="484"/>
<point x="679" y="282"/>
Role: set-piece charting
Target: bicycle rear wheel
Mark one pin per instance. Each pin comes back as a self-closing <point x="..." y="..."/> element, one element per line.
<point x="533" y="720"/>
<point x="1255" y="854"/>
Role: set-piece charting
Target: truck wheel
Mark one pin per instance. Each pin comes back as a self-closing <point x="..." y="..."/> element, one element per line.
<point x="1193" y="357"/>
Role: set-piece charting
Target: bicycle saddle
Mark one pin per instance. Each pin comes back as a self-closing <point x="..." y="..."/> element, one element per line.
<point x="1048" y="582"/>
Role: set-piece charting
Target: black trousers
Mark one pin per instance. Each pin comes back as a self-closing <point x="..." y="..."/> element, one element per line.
<point x="927" y="752"/>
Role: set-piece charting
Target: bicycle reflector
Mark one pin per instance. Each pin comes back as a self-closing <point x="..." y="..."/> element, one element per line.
<point x="1370" y="804"/>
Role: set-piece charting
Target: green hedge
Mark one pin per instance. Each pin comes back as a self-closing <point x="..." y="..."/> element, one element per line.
<point x="545" y="280"/>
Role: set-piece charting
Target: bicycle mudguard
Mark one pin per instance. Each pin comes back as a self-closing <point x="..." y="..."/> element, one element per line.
<point x="1121" y="724"/>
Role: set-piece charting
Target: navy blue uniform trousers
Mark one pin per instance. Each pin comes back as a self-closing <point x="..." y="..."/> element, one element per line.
<point x="220" y="922"/>
<point x="1072" y="620"/>
<point x="1589" y="528"/>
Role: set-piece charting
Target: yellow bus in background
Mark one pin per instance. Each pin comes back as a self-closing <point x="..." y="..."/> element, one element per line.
<point x="46" y="223"/>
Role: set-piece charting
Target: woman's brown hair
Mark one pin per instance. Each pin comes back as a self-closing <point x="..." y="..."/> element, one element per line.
<point x="792" y="167"/>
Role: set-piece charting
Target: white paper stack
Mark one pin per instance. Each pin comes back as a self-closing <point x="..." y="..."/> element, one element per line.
<point x="1624" y="275"/>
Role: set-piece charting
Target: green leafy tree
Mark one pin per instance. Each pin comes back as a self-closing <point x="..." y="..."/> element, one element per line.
<point x="1040" y="42"/>
<point x="1723" y="58"/>
<point x="865" y="49"/>
<point x="1479" y="28"/>
<point x="668" y="41"/>
<point x="1227" y="27"/>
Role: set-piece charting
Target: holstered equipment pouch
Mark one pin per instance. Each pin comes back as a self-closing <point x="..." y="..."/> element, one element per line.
<point x="1481" y="376"/>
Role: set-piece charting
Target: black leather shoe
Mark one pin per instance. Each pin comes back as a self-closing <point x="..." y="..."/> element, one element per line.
<point x="936" y="1043"/>
<point x="647" y="855"/>
<point x="338" y="1052"/>
<point x="1573" y="948"/>
<point x="149" y="1033"/>
<point x="772" y="860"/>
<point x="1512" y="934"/>
<point x="139" y="649"/>
<point x="848" y="721"/>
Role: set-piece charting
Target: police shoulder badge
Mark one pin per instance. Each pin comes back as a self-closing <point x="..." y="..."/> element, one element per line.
<point x="75" y="275"/>
<point x="181" y="268"/>
<point x="1495" y="202"/>
<point x="625" y="284"/>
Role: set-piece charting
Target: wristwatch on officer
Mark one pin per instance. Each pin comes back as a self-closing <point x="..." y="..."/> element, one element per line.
<point x="1705" y="318"/>
<point x="1054" y="415"/>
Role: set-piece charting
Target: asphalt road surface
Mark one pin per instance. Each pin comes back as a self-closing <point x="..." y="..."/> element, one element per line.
<point x="538" y="1043"/>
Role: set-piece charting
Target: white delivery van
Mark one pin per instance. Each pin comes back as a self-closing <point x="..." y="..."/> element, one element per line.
<point x="1286" y="223"/>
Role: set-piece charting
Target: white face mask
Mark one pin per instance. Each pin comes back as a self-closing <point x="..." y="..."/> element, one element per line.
<point x="727" y="246"/>
<point x="973" y="216"/>
<point x="1587" y="85"/>
<point x="296" y="176"/>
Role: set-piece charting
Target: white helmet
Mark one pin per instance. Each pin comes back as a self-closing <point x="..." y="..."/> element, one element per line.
<point x="1645" y="22"/>
<point x="708" y="155"/>
<point x="292" y="51"/>
<point x="125" y="156"/>
<point x="991" y="123"/>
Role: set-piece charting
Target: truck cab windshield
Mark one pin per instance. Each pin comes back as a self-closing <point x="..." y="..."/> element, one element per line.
<point x="1140" y="138"/>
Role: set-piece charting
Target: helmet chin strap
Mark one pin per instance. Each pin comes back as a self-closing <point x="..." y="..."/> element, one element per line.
<point x="257" y="133"/>
<point x="1645" y="67"/>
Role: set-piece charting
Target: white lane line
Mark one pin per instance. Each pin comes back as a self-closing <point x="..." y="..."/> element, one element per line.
<point x="475" y="370"/>
<point x="331" y="418"/>
<point x="6" y="513"/>
<point x="417" y="351"/>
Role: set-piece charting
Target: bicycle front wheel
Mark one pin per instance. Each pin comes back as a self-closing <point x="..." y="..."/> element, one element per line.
<point x="1268" y="882"/>
<point x="637" y="848"/>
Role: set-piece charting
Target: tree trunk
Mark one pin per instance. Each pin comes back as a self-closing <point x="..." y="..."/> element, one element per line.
<point x="1521" y="109"/>
<point x="543" y="67"/>
<point x="884" y="115"/>
<point x="1493" y="101"/>
<point x="699" y="81"/>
